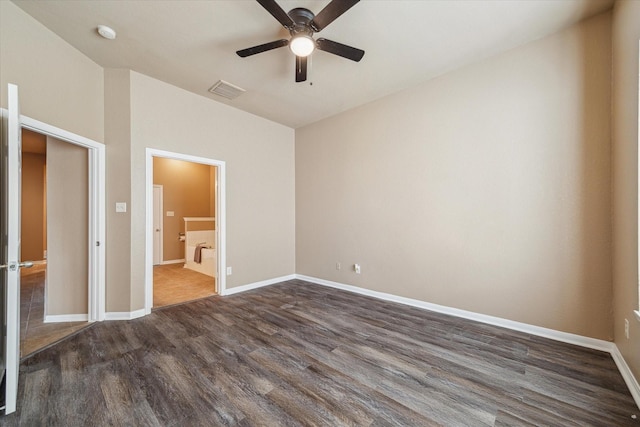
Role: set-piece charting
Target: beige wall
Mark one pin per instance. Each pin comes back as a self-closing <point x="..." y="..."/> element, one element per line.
<point x="487" y="189"/>
<point x="58" y="85"/>
<point x="33" y="221"/>
<point x="259" y="157"/>
<point x="67" y="216"/>
<point x="117" y="136"/>
<point x="187" y="192"/>
<point x="626" y="33"/>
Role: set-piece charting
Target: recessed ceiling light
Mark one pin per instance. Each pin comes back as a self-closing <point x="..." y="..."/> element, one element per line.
<point x="106" y="32"/>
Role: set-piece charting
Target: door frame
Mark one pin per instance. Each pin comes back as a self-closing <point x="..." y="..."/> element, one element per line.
<point x="161" y="238"/>
<point x="97" y="230"/>
<point x="220" y="215"/>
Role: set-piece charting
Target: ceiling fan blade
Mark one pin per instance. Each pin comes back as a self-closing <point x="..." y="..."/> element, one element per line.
<point x="276" y="11"/>
<point x="330" y="13"/>
<point x="301" y="68"/>
<point x="340" y="49"/>
<point x="262" y="48"/>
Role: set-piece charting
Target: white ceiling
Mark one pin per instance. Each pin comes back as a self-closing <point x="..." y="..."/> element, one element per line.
<point x="192" y="44"/>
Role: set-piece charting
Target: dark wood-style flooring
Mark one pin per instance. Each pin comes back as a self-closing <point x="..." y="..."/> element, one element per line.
<point x="301" y="354"/>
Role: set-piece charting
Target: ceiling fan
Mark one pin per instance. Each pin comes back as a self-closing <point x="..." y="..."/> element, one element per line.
<point x="302" y="23"/>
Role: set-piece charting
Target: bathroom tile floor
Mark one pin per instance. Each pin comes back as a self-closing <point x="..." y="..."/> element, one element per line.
<point x="34" y="333"/>
<point x="173" y="284"/>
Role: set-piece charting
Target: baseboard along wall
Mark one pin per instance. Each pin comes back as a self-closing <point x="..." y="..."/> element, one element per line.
<point x="592" y="343"/>
<point x="60" y="318"/>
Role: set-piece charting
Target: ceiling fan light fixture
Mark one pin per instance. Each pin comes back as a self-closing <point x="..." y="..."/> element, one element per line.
<point x="302" y="45"/>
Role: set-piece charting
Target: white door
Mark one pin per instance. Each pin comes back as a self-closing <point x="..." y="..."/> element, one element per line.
<point x="157" y="224"/>
<point x="11" y="264"/>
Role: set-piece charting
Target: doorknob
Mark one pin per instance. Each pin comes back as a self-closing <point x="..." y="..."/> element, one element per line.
<point x="12" y="266"/>
<point x="157" y="229"/>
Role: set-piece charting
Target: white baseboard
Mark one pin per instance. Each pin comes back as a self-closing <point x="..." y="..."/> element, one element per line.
<point x="250" y="286"/>
<point x="172" y="261"/>
<point x="626" y="373"/>
<point x="483" y="318"/>
<point x="59" y="318"/>
<point x="124" y="315"/>
<point x="566" y="337"/>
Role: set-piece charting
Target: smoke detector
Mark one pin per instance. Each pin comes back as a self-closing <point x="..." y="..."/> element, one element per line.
<point x="226" y="90"/>
<point x="106" y="32"/>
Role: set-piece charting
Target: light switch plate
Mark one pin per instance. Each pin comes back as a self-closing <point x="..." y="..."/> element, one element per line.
<point x="121" y="207"/>
<point x="170" y="213"/>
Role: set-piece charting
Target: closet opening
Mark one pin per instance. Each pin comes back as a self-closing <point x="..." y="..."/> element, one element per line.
<point x="54" y="234"/>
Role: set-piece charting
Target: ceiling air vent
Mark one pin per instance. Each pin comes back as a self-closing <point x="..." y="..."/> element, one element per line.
<point x="226" y="89"/>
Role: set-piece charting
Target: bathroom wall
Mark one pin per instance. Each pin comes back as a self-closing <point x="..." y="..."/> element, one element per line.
<point x="33" y="221"/>
<point x="187" y="192"/>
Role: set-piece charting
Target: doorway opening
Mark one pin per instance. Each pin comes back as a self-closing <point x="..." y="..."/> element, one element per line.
<point x="185" y="248"/>
<point x="54" y="233"/>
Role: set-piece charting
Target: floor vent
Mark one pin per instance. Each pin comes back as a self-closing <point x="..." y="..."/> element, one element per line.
<point x="226" y="90"/>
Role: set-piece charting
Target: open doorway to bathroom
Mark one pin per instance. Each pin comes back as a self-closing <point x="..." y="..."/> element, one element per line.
<point x="184" y="231"/>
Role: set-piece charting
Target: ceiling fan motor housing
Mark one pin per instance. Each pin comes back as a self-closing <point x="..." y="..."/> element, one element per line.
<point x="301" y="17"/>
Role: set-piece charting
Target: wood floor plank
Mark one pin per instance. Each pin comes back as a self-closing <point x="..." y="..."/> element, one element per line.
<point x="296" y="354"/>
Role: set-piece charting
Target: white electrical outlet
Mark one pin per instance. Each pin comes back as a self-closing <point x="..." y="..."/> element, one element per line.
<point x="229" y="271"/>
<point x="121" y="207"/>
<point x="356" y="267"/>
<point x="626" y="328"/>
<point x="338" y="266"/>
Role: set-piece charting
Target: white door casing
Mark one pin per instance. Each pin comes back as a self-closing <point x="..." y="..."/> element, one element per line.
<point x="12" y="125"/>
<point x="157" y="224"/>
<point x="220" y="216"/>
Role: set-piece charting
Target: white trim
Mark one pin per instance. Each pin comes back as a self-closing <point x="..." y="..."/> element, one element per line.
<point x="637" y="168"/>
<point x="566" y="337"/>
<point x="255" y="285"/>
<point x="58" y="318"/>
<point x="172" y="261"/>
<point x="11" y="288"/>
<point x="125" y="315"/>
<point x="161" y="225"/>
<point x="198" y="218"/>
<point x="626" y="373"/>
<point x="637" y="313"/>
<point x="220" y="215"/>
<point x="97" y="221"/>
